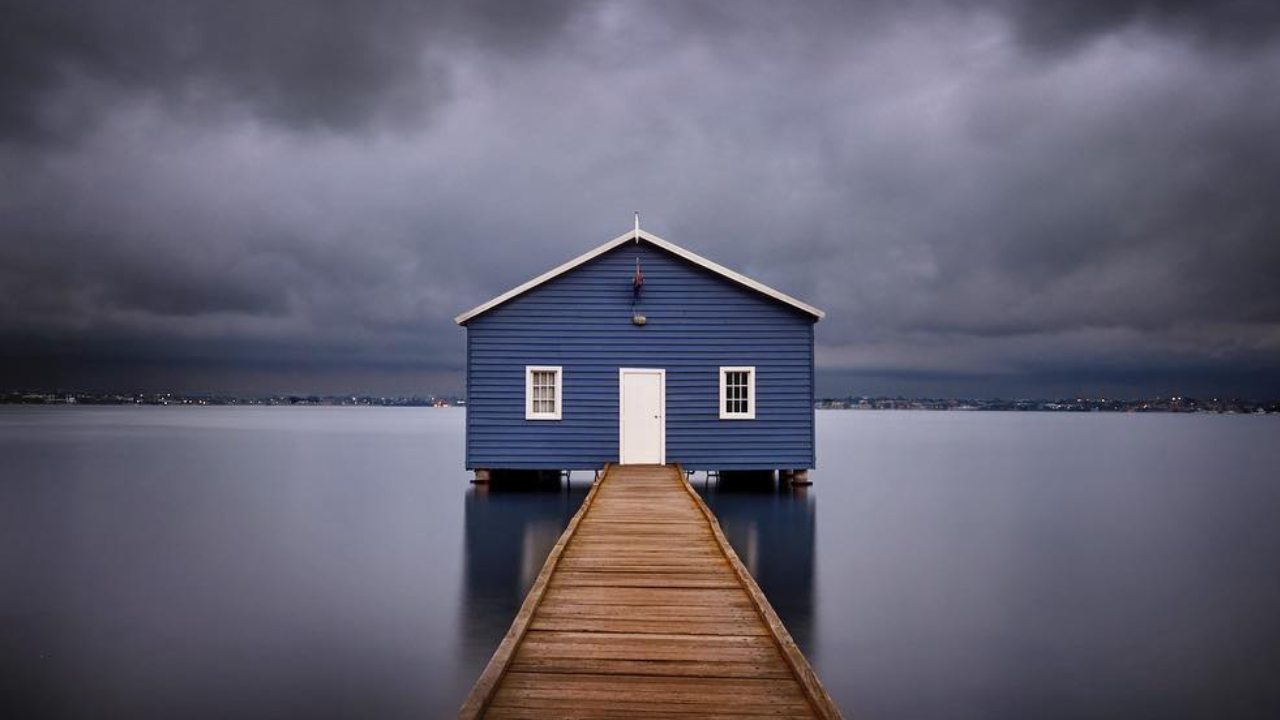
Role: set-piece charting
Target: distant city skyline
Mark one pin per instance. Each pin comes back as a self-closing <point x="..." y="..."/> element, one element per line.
<point x="999" y="198"/>
<point x="1255" y="385"/>
<point x="1163" y="403"/>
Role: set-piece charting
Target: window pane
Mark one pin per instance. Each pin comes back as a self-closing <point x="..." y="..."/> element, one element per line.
<point x="737" y="392"/>
<point x="543" y="387"/>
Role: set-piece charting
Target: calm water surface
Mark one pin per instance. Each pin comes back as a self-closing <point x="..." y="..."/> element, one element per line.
<point x="335" y="563"/>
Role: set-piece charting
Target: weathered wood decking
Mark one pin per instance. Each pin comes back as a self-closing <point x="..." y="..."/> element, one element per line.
<point x="641" y="610"/>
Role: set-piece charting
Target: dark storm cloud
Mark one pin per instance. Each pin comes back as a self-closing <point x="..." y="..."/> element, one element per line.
<point x="1017" y="194"/>
<point x="337" y="65"/>
<point x="1228" y="24"/>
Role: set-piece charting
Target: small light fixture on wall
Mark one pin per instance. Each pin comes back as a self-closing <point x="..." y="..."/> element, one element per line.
<point x="639" y="319"/>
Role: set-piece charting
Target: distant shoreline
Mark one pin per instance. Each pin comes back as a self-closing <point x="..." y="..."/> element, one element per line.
<point x="213" y="399"/>
<point x="1149" y="405"/>
<point x="1166" y="405"/>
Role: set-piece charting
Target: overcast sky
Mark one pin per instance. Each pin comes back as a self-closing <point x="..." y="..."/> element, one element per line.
<point x="988" y="198"/>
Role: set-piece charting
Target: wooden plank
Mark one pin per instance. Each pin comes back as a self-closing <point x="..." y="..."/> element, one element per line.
<point x="541" y="644"/>
<point x="613" y="623"/>
<point x="553" y="696"/>
<point x="690" y="652"/>
<point x="573" y="578"/>
<point x="661" y="668"/>
<point x="650" y="706"/>
<point x="672" y="694"/>
<point x="668" y="686"/>
<point x="715" y="597"/>
<point x="618" y="714"/>
<point x="633" y="564"/>
<point x="743" y="613"/>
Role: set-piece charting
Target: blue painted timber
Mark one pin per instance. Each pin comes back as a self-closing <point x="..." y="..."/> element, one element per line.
<point x="698" y="321"/>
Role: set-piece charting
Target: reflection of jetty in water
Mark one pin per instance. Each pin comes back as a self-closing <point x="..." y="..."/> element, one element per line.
<point x="510" y="528"/>
<point x="771" y="526"/>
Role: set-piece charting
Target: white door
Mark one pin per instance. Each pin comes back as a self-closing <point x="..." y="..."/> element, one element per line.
<point x="642" y="424"/>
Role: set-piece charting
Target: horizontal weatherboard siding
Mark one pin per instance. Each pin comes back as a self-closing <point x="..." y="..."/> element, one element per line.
<point x="697" y="322"/>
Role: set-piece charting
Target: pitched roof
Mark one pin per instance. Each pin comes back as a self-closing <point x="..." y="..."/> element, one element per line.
<point x="638" y="236"/>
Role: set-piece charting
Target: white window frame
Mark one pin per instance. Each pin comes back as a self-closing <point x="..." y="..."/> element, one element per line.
<point x="750" y="370"/>
<point x="529" y="370"/>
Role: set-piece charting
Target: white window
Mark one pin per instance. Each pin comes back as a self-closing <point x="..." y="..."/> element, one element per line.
<point x="738" y="393"/>
<point x="542" y="392"/>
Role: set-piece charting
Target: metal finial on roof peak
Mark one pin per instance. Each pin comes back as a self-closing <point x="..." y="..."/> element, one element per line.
<point x="637" y="226"/>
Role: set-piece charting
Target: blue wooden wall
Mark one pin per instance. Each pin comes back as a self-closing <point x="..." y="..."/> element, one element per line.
<point x="697" y="322"/>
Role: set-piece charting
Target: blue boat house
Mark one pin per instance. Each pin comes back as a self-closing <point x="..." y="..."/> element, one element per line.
<point x="640" y="352"/>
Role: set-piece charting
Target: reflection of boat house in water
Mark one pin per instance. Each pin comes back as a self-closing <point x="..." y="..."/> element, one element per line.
<point x="640" y="351"/>
<point x="508" y="532"/>
<point x="773" y="531"/>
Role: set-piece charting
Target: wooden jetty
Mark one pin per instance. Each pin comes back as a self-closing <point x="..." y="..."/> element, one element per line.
<point x="644" y="610"/>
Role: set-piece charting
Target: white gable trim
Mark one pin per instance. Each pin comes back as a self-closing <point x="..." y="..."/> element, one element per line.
<point x="736" y="277"/>
<point x="637" y="235"/>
